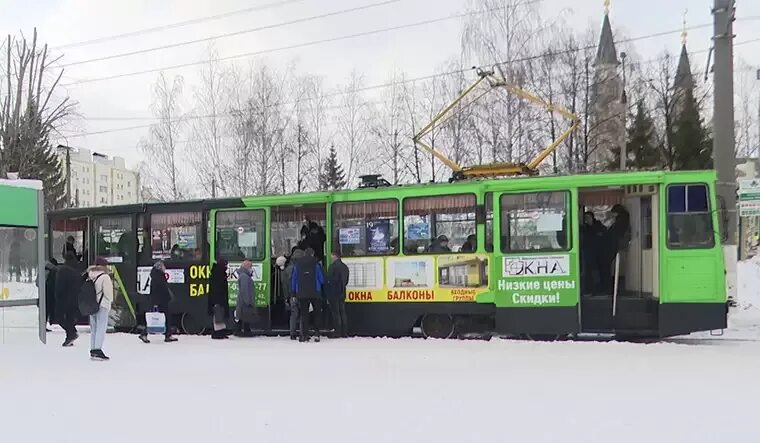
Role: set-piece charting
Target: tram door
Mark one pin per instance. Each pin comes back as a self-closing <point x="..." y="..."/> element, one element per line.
<point x="240" y="235"/>
<point x="114" y="238"/>
<point x="286" y="232"/>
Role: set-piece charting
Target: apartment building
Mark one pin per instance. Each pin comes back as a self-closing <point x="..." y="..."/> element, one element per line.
<point x="97" y="180"/>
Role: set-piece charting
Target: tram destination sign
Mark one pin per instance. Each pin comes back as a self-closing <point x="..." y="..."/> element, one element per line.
<point x="749" y="197"/>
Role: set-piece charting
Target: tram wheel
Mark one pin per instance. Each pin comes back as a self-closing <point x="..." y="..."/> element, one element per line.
<point x="437" y="326"/>
<point x="191" y="325"/>
<point x="543" y="337"/>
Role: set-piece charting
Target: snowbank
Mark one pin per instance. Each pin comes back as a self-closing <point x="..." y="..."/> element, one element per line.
<point x="746" y="315"/>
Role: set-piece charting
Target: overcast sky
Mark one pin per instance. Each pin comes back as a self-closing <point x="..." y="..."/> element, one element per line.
<point x="418" y="51"/>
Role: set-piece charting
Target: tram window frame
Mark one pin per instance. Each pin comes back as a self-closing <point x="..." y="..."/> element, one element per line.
<point x="506" y="235"/>
<point x="259" y="223"/>
<point x="435" y="235"/>
<point x="705" y="213"/>
<point x="197" y="224"/>
<point x="98" y="221"/>
<point x="489" y="224"/>
<point x="336" y="221"/>
<point x="82" y="237"/>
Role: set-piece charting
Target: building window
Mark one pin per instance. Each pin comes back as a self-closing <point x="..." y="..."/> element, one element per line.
<point x="534" y="222"/>
<point x="366" y="228"/>
<point x="440" y="225"/>
<point x="103" y="188"/>
<point x="176" y="236"/>
<point x="104" y="177"/>
<point x="689" y="217"/>
<point x="129" y="183"/>
<point x="240" y="235"/>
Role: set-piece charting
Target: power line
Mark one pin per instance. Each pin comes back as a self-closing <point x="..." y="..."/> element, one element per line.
<point x="284" y="48"/>
<point x="177" y="24"/>
<point x="423" y="78"/>
<point x="236" y="33"/>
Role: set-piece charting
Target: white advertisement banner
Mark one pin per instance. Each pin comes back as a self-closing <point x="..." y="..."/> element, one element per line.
<point x="536" y="266"/>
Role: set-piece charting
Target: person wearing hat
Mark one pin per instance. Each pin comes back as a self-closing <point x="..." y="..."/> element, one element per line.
<point x="218" y="299"/>
<point x="440" y="245"/>
<point x="98" y="274"/>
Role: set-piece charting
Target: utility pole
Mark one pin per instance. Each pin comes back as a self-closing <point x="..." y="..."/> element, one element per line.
<point x="724" y="154"/>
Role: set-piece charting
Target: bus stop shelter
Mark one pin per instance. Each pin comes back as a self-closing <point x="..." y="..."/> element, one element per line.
<point x="22" y="262"/>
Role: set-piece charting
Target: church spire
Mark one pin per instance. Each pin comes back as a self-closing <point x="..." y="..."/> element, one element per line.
<point x="605" y="52"/>
<point x="684" y="80"/>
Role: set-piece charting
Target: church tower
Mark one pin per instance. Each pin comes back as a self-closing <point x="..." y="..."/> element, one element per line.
<point x="607" y="132"/>
<point x="684" y="80"/>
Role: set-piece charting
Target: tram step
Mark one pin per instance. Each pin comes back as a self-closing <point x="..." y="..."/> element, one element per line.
<point x="631" y="313"/>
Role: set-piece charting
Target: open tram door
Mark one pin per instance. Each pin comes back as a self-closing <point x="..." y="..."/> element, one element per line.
<point x="238" y="235"/>
<point x="619" y="256"/>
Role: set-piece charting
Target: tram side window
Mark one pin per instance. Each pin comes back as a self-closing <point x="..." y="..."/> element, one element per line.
<point x="71" y="234"/>
<point x="240" y="235"/>
<point x="367" y="228"/>
<point x="440" y="224"/>
<point x="689" y="217"/>
<point x="114" y="239"/>
<point x="176" y="236"/>
<point x="534" y="222"/>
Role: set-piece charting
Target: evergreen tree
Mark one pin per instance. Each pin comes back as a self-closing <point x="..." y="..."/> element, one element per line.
<point x="641" y="146"/>
<point x="332" y="176"/>
<point x="692" y="142"/>
<point x="32" y="157"/>
<point x="642" y="143"/>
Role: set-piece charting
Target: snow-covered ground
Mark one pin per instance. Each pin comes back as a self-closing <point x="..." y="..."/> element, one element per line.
<point x="693" y="389"/>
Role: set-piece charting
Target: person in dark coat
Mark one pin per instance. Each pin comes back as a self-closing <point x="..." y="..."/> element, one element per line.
<point x="317" y="238"/>
<point x="613" y="241"/>
<point x="218" y="299"/>
<point x="68" y="282"/>
<point x="306" y="283"/>
<point x="51" y="267"/>
<point x="337" y="280"/>
<point x="160" y="296"/>
<point x="592" y="231"/>
<point x="440" y="245"/>
<point x="69" y="247"/>
<point x="469" y="246"/>
<point x="292" y="300"/>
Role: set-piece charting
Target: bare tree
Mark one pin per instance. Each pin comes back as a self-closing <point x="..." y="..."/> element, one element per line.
<point x="388" y="130"/>
<point x="31" y="111"/>
<point x="747" y="99"/>
<point x="663" y="91"/>
<point x="353" y="128"/>
<point x="318" y="140"/>
<point x="212" y="156"/>
<point x="162" y="169"/>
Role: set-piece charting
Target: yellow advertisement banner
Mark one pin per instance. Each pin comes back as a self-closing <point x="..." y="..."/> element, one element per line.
<point x="416" y="279"/>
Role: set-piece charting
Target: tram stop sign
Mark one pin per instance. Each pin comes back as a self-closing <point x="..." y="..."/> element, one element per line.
<point x="749" y="197"/>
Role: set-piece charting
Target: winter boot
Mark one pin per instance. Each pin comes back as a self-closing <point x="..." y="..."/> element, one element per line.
<point x="170" y="339"/>
<point x="70" y="341"/>
<point x="98" y="355"/>
<point x="144" y="338"/>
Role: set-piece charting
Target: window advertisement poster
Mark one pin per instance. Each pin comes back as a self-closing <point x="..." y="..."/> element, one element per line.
<point x="418" y="231"/>
<point x="186" y="239"/>
<point x="378" y="235"/>
<point x="349" y="236"/>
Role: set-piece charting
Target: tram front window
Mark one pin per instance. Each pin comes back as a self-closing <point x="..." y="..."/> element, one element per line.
<point x="69" y="234"/>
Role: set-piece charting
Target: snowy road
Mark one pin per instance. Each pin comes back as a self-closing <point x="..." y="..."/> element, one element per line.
<point x="375" y="390"/>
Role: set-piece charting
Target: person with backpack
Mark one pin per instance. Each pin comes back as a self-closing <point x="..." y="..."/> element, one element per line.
<point x="68" y="282"/>
<point x="103" y="288"/>
<point x="306" y="283"/>
<point x="160" y="296"/>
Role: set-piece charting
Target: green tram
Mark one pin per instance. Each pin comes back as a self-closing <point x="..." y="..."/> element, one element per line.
<point x="512" y="264"/>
